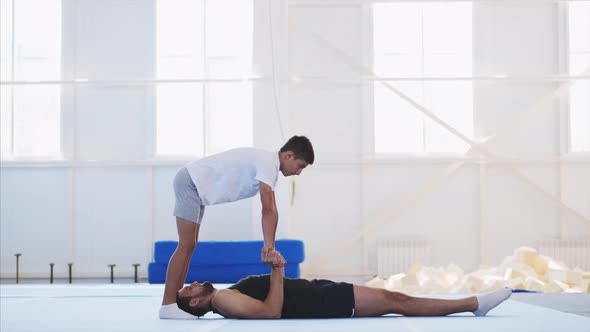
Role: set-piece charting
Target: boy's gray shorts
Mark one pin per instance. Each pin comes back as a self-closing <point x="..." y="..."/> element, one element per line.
<point x="188" y="203"/>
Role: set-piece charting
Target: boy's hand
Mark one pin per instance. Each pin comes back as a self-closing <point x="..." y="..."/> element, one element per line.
<point x="266" y="255"/>
<point x="272" y="257"/>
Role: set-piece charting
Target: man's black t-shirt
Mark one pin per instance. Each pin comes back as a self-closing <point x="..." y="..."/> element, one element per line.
<point x="315" y="298"/>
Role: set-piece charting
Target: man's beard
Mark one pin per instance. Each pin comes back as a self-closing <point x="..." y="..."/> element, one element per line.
<point x="207" y="288"/>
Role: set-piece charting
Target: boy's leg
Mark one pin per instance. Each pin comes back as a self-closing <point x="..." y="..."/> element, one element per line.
<point x="188" y="235"/>
<point x="371" y="302"/>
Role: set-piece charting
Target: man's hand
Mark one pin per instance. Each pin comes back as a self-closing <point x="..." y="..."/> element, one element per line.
<point x="278" y="260"/>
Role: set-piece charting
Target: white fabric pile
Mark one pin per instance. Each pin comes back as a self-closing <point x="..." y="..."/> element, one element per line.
<point x="525" y="270"/>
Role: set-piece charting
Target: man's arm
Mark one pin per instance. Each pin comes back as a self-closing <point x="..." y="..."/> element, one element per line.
<point x="270" y="219"/>
<point x="233" y="304"/>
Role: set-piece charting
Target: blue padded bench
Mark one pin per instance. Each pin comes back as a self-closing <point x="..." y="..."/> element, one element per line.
<point x="225" y="261"/>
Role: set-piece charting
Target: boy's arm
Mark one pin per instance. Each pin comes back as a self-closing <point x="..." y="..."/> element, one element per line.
<point x="270" y="219"/>
<point x="233" y="304"/>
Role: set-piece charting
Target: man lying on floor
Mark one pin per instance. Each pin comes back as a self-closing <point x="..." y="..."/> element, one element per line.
<point x="274" y="296"/>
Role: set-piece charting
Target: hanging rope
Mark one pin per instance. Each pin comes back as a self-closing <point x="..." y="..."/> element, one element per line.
<point x="274" y="81"/>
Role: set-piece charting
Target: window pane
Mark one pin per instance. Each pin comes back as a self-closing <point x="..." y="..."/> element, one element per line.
<point x="397" y="28"/>
<point x="37" y="37"/>
<point x="5" y="40"/>
<point x="179" y="38"/>
<point x="447" y="39"/>
<point x="229" y="44"/>
<point x="5" y="121"/>
<point x="229" y="116"/>
<point x="423" y="40"/>
<point x="204" y="39"/>
<point x="580" y="118"/>
<point x="37" y="121"/>
<point x="452" y="102"/>
<point x="398" y="125"/>
<point x="399" y="65"/>
<point x="179" y="120"/>
<point x="229" y="67"/>
<point x="32" y="117"/>
<point x="579" y="62"/>
<point x="447" y="28"/>
<point x="447" y="65"/>
<point x="579" y="26"/>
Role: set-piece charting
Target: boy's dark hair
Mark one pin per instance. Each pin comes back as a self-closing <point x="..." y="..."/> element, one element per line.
<point x="183" y="303"/>
<point x="301" y="147"/>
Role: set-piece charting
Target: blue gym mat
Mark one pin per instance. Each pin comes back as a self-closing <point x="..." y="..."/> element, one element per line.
<point x="225" y="261"/>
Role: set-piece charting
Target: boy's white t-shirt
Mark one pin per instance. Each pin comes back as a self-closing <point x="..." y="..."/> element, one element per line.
<point x="234" y="174"/>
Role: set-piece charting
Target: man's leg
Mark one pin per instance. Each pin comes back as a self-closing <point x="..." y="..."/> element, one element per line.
<point x="188" y="235"/>
<point x="372" y="302"/>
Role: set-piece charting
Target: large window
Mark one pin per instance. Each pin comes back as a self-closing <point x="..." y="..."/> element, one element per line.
<point x="415" y="40"/>
<point x="204" y="48"/>
<point x="30" y="51"/>
<point x="579" y="62"/>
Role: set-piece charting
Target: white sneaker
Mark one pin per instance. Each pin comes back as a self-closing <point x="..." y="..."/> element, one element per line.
<point x="172" y="311"/>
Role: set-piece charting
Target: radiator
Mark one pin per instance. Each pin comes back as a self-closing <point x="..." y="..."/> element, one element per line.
<point x="574" y="253"/>
<point x="396" y="256"/>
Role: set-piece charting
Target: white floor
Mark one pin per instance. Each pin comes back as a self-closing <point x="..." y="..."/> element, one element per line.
<point x="134" y="307"/>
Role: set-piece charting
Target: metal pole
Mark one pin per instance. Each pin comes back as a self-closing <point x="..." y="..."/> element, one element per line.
<point x="51" y="272"/>
<point x="135" y="266"/>
<point x="17" y="269"/>
<point x="112" y="277"/>
<point x="70" y="271"/>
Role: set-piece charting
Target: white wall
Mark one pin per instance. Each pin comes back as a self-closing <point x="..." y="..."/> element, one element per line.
<point x="111" y="201"/>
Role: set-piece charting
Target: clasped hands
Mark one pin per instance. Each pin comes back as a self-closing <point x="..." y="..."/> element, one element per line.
<point x="272" y="257"/>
